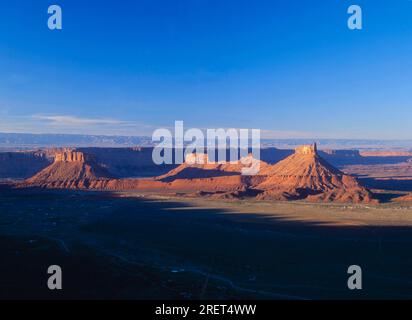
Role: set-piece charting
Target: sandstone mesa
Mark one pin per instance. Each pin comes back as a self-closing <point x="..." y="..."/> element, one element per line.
<point x="302" y="175"/>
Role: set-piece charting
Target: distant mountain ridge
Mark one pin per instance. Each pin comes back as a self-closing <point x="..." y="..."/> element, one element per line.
<point x="12" y="141"/>
<point x="28" y="140"/>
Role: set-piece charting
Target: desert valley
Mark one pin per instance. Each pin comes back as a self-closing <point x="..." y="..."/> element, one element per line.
<point x="302" y="174"/>
<point x="205" y="155"/>
<point x="123" y="227"/>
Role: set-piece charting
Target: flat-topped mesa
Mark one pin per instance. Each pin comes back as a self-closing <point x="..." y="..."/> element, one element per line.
<point x="71" y="156"/>
<point x="307" y="149"/>
<point x="203" y="159"/>
<point x="196" y="158"/>
<point x="341" y="153"/>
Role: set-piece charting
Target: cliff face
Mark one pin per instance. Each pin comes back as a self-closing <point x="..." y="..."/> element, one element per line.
<point x="69" y="156"/>
<point x="307" y="149"/>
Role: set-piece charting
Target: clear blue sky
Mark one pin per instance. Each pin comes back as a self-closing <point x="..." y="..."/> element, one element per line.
<point x="291" y="67"/>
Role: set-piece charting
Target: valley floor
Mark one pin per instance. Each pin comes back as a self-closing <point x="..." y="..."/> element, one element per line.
<point x="140" y="246"/>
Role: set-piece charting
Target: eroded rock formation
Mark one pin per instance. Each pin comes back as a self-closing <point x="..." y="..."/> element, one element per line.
<point x="71" y="169"/>
<point x="303" y="175"/>
<point x="198" y="166"/>
<point x="306" y="175"/>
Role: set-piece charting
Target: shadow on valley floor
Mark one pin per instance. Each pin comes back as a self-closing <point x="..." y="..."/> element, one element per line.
<point x="387" y="184"/>
<point x="133" y="248"/>
<point x="366" y="160"/>
<point x="386" y="197"/>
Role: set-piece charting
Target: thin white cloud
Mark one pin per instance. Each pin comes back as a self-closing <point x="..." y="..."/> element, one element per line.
<point x="66" y="124"/>
<point x="76" y="121"/>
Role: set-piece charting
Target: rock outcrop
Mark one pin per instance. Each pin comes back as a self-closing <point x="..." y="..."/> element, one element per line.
<point x="198" y="166"/>
<point x="302" y="175"/>
<point x="70" y="156"/>
<point x="306" y="175"/>
<point x="71" y="169"/>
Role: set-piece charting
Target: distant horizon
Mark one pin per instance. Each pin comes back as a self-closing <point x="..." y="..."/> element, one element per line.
<point x="149" y="136"/>
<point x="28" y="141"/>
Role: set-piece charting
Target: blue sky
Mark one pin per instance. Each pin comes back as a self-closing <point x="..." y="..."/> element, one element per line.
<point x="291" y="68"/>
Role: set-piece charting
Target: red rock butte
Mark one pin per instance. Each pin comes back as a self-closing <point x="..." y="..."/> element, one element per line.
<point x="302" y="175"/>
<point x="306" y="175"/>
<point x="71" y="169"/>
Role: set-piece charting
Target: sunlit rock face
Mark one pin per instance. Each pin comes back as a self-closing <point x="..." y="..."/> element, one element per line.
<point x="196" y="158"/>
<point x="307" y="149"/>
<point x="73" y="155"/>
